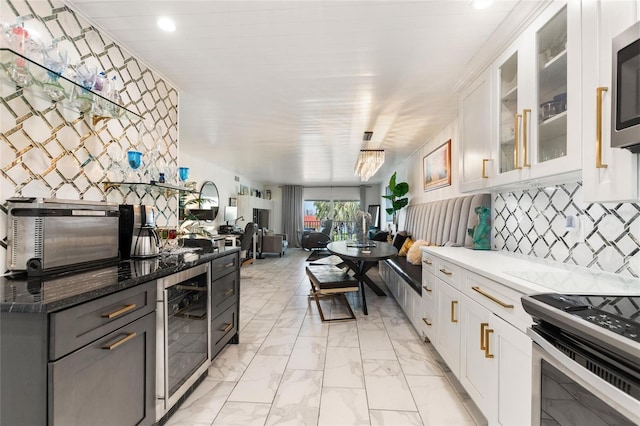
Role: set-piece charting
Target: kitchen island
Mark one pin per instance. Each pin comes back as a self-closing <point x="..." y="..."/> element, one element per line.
<point x="81" y="347"/>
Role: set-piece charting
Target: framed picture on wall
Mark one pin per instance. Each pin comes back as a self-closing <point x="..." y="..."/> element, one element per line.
<point x="436" y="167"/>
<point x="233" y="202"/>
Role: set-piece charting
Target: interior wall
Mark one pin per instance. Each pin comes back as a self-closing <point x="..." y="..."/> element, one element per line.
<point x="410" y="171"/>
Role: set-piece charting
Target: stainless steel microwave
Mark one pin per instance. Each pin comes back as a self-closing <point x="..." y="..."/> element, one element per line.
<point x="625" y="107"/>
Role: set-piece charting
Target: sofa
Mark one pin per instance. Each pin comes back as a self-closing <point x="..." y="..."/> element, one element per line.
<point x="440" y="223"/>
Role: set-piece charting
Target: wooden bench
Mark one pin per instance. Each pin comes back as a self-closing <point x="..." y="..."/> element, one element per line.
<point x="328" y="280"/>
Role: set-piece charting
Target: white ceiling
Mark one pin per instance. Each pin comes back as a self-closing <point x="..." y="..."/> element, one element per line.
<point x="282" y="91"/>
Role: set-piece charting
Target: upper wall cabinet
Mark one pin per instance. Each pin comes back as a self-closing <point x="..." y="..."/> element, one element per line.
<point x="475" y="119"/>
<point x="537" y="100"/>
<point x="609" y="174"/>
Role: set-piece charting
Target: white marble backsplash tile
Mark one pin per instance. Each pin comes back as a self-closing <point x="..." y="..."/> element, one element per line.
<point x="534" y="222"/>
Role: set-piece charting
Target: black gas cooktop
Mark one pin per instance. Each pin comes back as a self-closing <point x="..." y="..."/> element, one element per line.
<point x="608" y="324"/>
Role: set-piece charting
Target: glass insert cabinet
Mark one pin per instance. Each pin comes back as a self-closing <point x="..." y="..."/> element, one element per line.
<point x="537" y="127"/>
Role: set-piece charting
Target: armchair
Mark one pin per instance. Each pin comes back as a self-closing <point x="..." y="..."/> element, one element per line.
<point x="272" y="243"/>
<point x="317" y="239"/>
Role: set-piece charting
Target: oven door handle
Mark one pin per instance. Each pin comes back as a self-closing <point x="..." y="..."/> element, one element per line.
<point x="612" y="396"/>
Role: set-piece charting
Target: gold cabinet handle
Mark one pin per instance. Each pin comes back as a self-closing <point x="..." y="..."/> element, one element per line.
<point x="484" y="168"/>
<point x="444" y="271"/>
<point x="453" y="310"/>
<point x="119" y="342"/>
<point x="426" y="321"/>
<point x="228" y="292"/>
<point x="599" y="163"/>
<point x="119" y="312"/>
<point x="525" y="137"/>
<point x="516" y="143"/>
<point x="228" y="265"/>
<point x="492" y="298"/>
<point x="482" y="327"/>
<point x="487" y="350"/>
<point x="427" y="289"/>
<point x="427" y="262"/>
<point x="228" y="326"/>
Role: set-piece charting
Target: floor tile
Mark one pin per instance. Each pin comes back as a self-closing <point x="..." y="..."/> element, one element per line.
<point x="343" y="334"/>
<point x="290" y="318"/>
<point x="395" y="418"/>
<point x="344" y="407"/>
<point x="203" y="405"/>
<point x="343" y="368"/>
<point x="376" y="345"/>
<point x="242" y="413"/>
<point x="308" y="354"/>
<point x="260" y="381"/>
<point x="415" y="359"/>
<point x="437" y="403"/>
<point x="232" y="361"/>
<point x="297" y="401"/>
<point x="280" y="341"/>
<point x="387" y="388"/>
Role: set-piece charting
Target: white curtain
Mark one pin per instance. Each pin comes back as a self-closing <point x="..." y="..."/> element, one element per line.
<point x="292" y="213"/>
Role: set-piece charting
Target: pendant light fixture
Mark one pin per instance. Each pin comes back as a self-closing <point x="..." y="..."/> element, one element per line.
<point x="369" y="160"/>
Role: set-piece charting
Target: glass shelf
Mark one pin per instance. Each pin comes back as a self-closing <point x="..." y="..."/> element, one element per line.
<point x="152" y="186"/>
<point x="99" y="107"/>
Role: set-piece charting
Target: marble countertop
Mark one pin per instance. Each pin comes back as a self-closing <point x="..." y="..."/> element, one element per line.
<point x="21" y="294"/>
<point x="530" y="275"/>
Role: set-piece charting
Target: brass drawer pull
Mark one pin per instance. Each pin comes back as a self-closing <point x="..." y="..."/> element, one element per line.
<point x="487" y="351"/>
<point x="427" y="262"/>
<point x="444" y="271"/>
<point x="482" y="327"/>
<point x="453" y="310"/>
<point x="229" y="265"/>
<point x="228" y="292"/>
<point x="427" y="289"/>
<point x="599" y="92"/>
<point x="525" y="133"/>
<point x="228" y="326"/>
<point x="426" y="321"/>
<point x="120" y="311"/>
<point x="119" y="342"/>
<point x="484" y="168"/>
<point x="492" y="298"/>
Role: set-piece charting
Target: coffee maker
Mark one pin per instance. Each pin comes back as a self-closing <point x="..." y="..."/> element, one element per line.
<point x="137" y="232"/>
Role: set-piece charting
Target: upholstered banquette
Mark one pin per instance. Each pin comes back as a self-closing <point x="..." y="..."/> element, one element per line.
<point x="439" y="223"/>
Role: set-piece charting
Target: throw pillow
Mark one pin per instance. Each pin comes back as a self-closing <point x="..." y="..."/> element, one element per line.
<point x="380" y="236"/>
<point x="405" y="247"/>
<point x="414" y="255"/>
<point x="399" y="239"/>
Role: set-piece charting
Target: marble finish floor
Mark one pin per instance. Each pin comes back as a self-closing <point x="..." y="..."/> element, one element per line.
<point x="291" y="368"/>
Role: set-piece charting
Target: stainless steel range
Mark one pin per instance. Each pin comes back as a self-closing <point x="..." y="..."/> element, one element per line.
<point x="586" y="359"/>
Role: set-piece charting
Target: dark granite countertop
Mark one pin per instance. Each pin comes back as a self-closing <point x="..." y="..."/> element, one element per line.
<point x="22" y="294"/>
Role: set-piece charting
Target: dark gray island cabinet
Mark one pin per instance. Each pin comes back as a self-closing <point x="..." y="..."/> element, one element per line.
<point x="89" y="364"/>
<point x="225" y="299"/>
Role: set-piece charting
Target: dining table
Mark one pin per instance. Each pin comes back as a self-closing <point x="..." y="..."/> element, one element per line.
<point x="359" y="258"/>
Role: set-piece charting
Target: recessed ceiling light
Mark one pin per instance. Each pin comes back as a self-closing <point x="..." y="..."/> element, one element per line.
<point x="166" y="24"/>
<point x="481" y="4"/>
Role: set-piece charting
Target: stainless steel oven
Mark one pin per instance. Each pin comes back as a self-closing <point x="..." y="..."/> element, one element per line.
<point x="182" y="330"/>
<point x="586" y="359"/>
<point x="625" y="117"/>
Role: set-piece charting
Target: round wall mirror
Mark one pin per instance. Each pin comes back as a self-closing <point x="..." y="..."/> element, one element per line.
<point x="209" y="198"/>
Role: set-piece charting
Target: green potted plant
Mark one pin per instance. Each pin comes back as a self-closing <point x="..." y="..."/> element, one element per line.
<point x="397" y="197"/>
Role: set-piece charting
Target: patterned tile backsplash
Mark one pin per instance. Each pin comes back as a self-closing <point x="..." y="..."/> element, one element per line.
<point x="535" y="222"/>
<point x="50" y="150"/>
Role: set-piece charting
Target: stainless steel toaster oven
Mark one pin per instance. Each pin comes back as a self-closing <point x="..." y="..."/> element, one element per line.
<point x="46" y="236"/>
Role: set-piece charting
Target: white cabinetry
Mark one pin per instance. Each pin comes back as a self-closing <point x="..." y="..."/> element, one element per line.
<point x="479" y="332"/>
<point x="609" y="174"/>
<point x="536" y="105"/>
<point x="475" y="120"/>
<point x="495" y="366"/>
<point x="447" y="341"/>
